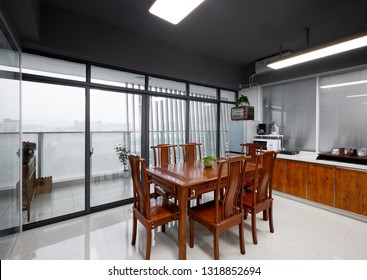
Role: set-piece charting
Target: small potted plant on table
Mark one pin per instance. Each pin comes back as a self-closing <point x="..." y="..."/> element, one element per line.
<point x="208" y="161"/>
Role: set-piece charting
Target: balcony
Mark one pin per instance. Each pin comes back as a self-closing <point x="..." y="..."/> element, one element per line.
<point x="62" y="156"/>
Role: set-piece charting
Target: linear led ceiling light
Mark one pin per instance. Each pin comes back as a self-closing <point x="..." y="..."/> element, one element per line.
<point x="337" y="46"/>
<point x="345" y="84"/>
<point x="173" y="10"/>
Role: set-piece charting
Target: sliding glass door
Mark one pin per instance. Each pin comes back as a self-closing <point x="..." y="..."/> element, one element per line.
<point x="54" y="123"/>
<point x="115" y="120"/>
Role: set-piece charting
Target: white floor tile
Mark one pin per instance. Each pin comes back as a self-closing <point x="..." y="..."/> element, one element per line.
<point x="302" y="232"/>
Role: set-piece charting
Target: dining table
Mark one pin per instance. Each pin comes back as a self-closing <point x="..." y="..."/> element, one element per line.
<point x="186" y="181"/>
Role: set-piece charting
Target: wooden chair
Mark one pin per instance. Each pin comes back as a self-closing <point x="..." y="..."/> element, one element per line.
<point x="163" y="154"/>
<point x="250" y="149"/>
<point x="224" y="211"/>
<point x="259" y="199"/>
<point x="191" y="151"/>
<point x="152" y="213"/>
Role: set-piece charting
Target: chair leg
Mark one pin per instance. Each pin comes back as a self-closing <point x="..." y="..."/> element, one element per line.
<point x="216" y="245"/>
<point x="253" y="225"/>
<point x="149" y="243"/>
<point x="242" y="237"/>
<point x="271" y="225"/>
<point x="135" y="224"/>
<point x="191" y="241"/>
<point x="265" y="215"/>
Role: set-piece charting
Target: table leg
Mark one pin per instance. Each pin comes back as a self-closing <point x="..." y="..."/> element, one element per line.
<point x="182" y="206"/>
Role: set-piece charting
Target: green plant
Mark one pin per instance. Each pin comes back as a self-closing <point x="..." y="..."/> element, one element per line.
<point x="209" y="160"/>
<point x="28" y="149"/>
<point x="242" y="99"/>
<point x="123" y="154"/>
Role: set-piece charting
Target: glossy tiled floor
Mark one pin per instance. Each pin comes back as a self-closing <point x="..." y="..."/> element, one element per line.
<point x="302" y="232"/>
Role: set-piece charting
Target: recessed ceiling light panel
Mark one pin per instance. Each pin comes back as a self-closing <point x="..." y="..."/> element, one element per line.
<point x="173" y="11"/>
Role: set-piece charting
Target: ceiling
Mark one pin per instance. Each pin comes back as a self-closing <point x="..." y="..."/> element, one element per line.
<point x="238" y="32"/>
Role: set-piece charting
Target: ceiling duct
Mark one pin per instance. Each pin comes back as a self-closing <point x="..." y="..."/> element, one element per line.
<point x="261" y="65"/>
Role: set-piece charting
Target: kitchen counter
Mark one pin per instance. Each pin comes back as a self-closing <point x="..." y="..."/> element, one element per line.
<point x="311" y="157"/>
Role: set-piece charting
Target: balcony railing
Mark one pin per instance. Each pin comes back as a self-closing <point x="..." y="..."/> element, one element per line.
<point x="62" y="154"/>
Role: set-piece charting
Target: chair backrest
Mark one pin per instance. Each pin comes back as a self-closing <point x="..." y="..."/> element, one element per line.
<point x="191" y="151"/>
<point x="263" y="189"/>
<point x="164" y="154"/>
<point x="229" y="194"/>
<point x="251" y="149"/>
<point x="140" y="185"/>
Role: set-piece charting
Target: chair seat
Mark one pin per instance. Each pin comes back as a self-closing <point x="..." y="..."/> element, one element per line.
<point x="206" y="213"/>
<point x="159" y="209"/>
<point x="248" y="201"/>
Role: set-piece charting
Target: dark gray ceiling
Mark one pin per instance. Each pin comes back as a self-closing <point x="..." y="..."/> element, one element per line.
<point x="235" y="31"/>
<point x="238" y="32"/>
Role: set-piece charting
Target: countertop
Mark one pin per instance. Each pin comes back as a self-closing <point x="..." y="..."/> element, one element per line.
<point x="311" y="157"/>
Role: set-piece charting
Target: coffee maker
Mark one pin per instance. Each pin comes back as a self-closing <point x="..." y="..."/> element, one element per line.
<point x="261" y="129"/>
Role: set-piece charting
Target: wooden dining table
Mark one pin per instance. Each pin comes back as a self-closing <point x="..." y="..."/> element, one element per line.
<point x="187" y="181"/>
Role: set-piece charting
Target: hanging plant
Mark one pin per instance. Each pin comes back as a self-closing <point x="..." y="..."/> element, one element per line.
<point x="242" y="99"/>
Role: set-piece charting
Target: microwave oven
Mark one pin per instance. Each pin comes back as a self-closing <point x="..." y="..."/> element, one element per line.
<point x="269" y="144"/>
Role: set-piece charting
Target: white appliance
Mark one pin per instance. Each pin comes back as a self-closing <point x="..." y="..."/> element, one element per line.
<point x="240" y="132"/>
<point x="269" y="142"/>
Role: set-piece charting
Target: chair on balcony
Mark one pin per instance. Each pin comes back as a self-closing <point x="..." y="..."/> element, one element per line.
<point x="224" y="211"/>
<point x="163" y="154"/>
<point x="259" y="198"/>
<point x="191" y="151"/>
<point x="152" y="213"/>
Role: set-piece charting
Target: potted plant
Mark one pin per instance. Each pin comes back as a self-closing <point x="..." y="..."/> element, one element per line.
<point x="123" y="154"/>
<point x="28" y="149"/>
<point x="208" y="161"/>
<point x="242" y="101"/>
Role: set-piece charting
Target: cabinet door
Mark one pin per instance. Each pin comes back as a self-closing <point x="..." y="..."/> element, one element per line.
<point x="278" y="175"/>
<point x="295" y="178"/>
<point x="320" y="187"/>
<point x="351" y="190"/>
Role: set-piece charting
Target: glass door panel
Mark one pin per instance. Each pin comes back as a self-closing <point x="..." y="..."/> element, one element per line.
<point x="54" y="120"/>
<point x="166" y="123"/>
<point x="115" y="121"/>
<point x="9" y="146"/>
<point x="203" y="126"/>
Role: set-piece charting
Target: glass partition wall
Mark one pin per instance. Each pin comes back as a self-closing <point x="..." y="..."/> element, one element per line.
<point x="10" y="178"/>
<point x="292" y="107"/>
<point x="343" y="99"/>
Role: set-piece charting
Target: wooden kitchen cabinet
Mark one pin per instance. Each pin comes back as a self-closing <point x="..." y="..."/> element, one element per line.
<point x="278" y="175"/>
<point x="320" y="183"/>
<point x="351" y="190"/>
<point x="295" y="178"/>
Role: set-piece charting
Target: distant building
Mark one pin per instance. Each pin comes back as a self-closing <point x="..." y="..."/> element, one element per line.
<point x="9" y="125"/>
